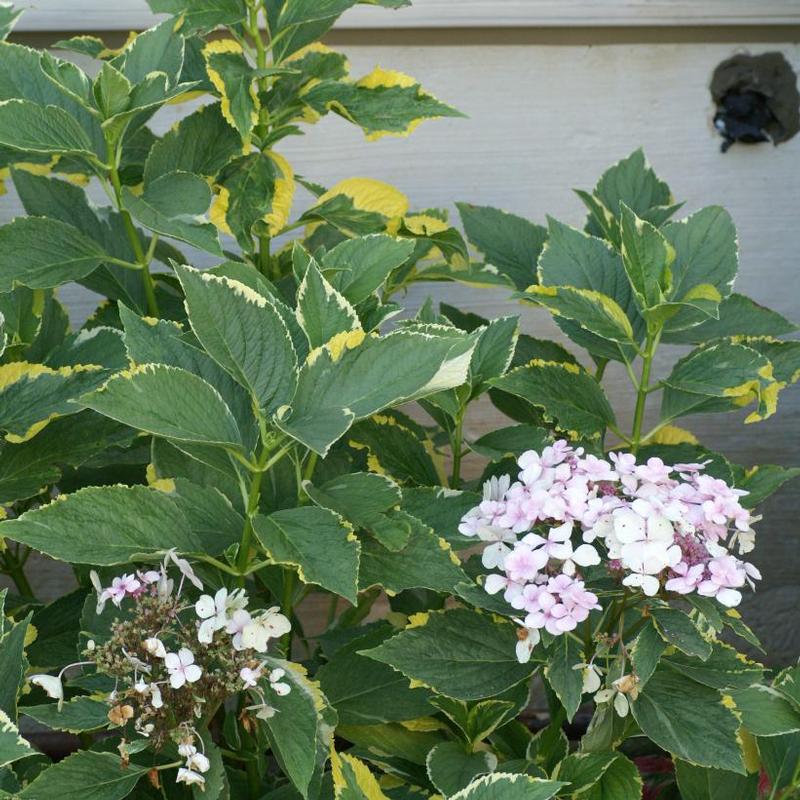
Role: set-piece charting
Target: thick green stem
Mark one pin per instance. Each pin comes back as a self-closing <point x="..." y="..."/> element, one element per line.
<point x="13" y="568"/>
<point x="641" y="389"/>
<point x="142" y="258"/>
<point x="253" y="497"/>
<point x="263" y="257"/>
<point x="601" y="369"/>
<point x="456" y="443"/>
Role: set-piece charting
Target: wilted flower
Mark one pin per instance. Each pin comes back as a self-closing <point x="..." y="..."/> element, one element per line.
<point x="52" y="686"/>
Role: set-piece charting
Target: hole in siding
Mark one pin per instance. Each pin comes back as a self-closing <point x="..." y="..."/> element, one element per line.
<point x="756" y="99"/>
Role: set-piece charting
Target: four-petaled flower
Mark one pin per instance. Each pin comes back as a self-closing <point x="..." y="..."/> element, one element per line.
<point x="181" y="668"/>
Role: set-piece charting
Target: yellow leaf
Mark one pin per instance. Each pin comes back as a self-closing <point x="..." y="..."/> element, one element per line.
<point x="350" y="773"/>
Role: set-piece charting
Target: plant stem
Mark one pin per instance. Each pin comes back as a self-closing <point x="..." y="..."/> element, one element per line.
<point x="13" y="568"/>
<point x="641" y="389"/>
<point x="601" y="369"/>
<point x="455" y="446"/>
<point x="289" y="582"/>
<point x="253" y="778"/>
<point x="333" y="605"/>
<point x="263" y="257"/>
<point x="253" y="496"/>
<point x="132" y="233"/>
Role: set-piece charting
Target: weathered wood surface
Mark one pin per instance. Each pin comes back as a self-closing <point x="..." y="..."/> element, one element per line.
<point x="546" y="118"/>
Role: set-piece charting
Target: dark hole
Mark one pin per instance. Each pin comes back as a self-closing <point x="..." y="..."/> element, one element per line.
<point x="756" y="98"/>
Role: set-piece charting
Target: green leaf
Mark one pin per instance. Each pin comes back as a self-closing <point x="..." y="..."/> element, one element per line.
<point x="477" y="721"/>
<point x="646" y="652"/>
<point x="173" y="205"/>
<point x="85" y="775"/>
<point x="357" y="267"/>
<point x="358" y="496"/>
<point x="296" y="728"/>
<point x="382" y="103"/>
<point x="157" y="49"/>
<point x="233" y="78"/>
<point x="202" y="143"/>
<point x="46" y="129"/>
<point x="168" y="402"/>
<point x="165" y="343"/>
<point x="593" y="311"/>
<point x="581" y="771"/>
<point x="8" y="18"/>
<point x="677" y="629"/>
<point x="57" y="629"/>
<point x="509" y="243"/>
<point x="397" y="448"/>
<point x="511" y="441"/>
<point x="441" y="509"/>
<point x="107" y="525"/>
<point x="784" y="357"/>
<point x="706" y="256"/>
<point x="620" y="781"/>
<point x="366" y="692"/>
<point x="256" y="193"/>
<point x="426" y="562"/>
<point x="347" y="380"/>
<point x="764" y="711"/>
<point x="12" y="746"/>
<point x="562" y="656"/>
<point x="42" y="253"/>
<point x="463" y="654"/>
<point x="209" y="512"/>
<point x="451" y="768"/>
<point x="503" y="786"/>
<point x="646" y="256"/>
<point x="689" y="720"/>
<point x="60" y="200"/>
<point x="343" y="212"/>
<point x="567" y="395"/>
<point x="573" y="258"/>
<point x="763" y="481"/>
<point x="352" y="779"/>
<point x="719" y="377"/>
<point x="738" y="316"/>
<point x="702" y="783"/>
<point x="366" y="500"/>
<point x="111" y="91"/>
<point x="315" y="541"/>
<point x="633" y="182"/>
<point x="243" y="333"/>
<point x="78" y="715"/>
<point x="12" y="664"/>
<point x="298" y="12"/>
<point x="779" y="758"/>
<point x="202" y="14"/>
<point x="494" y="351"/>
<point x="321" y="310"/>
<point x="33" y="394"/>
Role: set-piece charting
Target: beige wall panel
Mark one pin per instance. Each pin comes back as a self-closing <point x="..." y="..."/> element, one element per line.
<point x="545" y="118"/>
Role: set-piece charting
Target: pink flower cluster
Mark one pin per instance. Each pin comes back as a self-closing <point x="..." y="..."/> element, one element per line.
<point x="663" y="528"/>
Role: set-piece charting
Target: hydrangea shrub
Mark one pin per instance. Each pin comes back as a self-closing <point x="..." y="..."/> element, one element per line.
<point x="215" y="448"/>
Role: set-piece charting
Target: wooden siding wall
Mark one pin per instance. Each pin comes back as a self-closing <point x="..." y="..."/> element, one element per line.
<point x="548" y="110"/>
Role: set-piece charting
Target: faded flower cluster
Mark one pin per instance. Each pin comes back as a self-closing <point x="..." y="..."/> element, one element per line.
<point x="659" y="528"/>
<point x="173" y="662"/>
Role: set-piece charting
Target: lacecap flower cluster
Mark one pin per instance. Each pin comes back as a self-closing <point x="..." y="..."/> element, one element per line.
<point x="659" y="528"/>
<point x="172" y="661"/>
